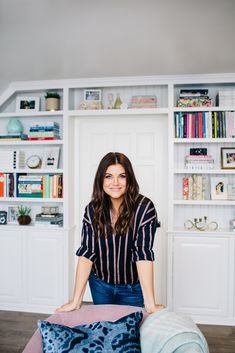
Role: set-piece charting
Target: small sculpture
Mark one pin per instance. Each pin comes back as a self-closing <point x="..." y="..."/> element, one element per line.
<point x="110" y="100"/>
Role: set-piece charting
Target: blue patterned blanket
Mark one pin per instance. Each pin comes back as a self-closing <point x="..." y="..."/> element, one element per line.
<point x="167" y="332"/>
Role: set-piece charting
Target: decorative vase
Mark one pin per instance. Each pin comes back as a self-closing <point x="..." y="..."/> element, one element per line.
<point x="24" y="220"/>
<point x="118" y="102"/>
<point x="14" y="126"/>
<point x="52" y="104"/>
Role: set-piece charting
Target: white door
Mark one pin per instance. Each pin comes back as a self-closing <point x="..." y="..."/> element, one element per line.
<point x="144" y="141"/>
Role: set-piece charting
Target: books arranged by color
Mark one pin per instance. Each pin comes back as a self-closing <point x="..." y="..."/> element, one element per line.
<point x="219" y="124"/>
<point x="7" y="185"/>
<point x="42" y="219"/>
<point x="194" y="187"/>
<point x="145" y="101"/>
<point x="194" y="98"/>
<point x="225" y="98"/>
<point x="198" y="162"/>
<point x="42" y="186"/>
<point x="12" y="159"/>
<point x="44" y="131"/>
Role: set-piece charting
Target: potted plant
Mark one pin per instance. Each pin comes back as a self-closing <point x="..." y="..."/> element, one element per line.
<point x="23" y="215"/>
<point x="52" y="101"/>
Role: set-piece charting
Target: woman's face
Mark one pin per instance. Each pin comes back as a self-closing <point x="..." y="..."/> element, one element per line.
<point x="114" y="183"/>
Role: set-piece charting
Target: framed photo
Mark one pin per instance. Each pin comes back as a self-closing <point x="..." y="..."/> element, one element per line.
<point x="92" y="95"/>
<point x="50" y="159"/>
<point x="219" y="188"/>
<point x="12" y="214"/>
<point x="227" y="157"/>
<point x="24" y="104"/>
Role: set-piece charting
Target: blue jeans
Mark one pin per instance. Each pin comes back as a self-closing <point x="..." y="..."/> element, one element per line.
<point x="121" y="294"/>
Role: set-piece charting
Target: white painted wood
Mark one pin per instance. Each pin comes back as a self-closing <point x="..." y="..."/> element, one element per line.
<point x="145" y="143"/>
<point x="201" y="275"/>
<point x="77" y="183"/>
<point x="45" y="268"/>
<point x="11" y="267"/>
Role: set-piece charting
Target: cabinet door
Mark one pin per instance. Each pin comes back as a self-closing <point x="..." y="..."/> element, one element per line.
<point x="200" y="275"/>
<point x="11" y="266"/>
<point x="45" y="268"/>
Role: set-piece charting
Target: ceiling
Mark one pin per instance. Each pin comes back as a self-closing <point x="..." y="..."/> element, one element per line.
<point x="56" y="39"/>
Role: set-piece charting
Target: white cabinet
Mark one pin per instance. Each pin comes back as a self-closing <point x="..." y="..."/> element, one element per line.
<point x="12" y="254"/>
<point x="33" y="271"/>
<point x="201" y="275"/>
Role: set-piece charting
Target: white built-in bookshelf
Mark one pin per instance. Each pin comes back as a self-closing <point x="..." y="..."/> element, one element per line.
<point x="198" y="261"/>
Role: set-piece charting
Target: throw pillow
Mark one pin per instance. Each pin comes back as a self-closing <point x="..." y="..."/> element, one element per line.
<point x="104" y="336"/>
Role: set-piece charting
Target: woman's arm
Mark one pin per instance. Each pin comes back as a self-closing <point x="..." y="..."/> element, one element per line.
<point x="84" y="266"/>
<point x="145" y="273"/>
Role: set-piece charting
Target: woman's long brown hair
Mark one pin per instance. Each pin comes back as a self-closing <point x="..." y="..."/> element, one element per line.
<point x="102" y="203"/>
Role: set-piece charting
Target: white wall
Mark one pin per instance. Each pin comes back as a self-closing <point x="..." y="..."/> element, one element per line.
<point x="53" y="39"/>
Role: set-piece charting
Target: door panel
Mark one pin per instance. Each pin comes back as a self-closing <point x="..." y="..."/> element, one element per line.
<point x="144" y="141"/>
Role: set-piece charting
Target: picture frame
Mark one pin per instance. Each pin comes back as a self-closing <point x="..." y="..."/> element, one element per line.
<point x="27" y="104"/>
<point x="12" y="214"/>
<point x="92" y="95"/>
<point x="227" y="157"/>
<point x="219" y="188"/>
<point x="50" y="158"/>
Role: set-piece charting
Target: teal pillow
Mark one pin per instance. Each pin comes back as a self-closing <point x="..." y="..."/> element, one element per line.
<point x="103" y="336"/>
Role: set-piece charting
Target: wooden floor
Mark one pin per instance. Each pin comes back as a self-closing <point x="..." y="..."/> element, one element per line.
<point x="16" y="328"/>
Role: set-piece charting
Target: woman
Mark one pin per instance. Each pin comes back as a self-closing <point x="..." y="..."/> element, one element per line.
<point x="116" y="253"/>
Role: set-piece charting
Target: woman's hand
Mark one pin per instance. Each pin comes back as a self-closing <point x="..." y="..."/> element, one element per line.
<point x="154" y="308"/>
<point x="68" y="307"/>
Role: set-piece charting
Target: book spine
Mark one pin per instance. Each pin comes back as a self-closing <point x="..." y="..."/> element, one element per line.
<point x="185" y="188"/>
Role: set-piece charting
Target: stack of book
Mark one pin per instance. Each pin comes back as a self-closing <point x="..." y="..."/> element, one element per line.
<point x="13" y="137"/>
<point x="35" y="185"/>
<point x="194" y="187"/>
<point x="225" y="98"/>
<point x="12" y="160"/>
<point x="48" y="130"/>
<point x="45" y="220"/>
<point x="30" y="186"/>
<point x="90" y="105"/>
<point x="7" y="185"/>
<point x="198" y="162"/>
<point x="194" y="98"/>
<point x="141" y="102"/>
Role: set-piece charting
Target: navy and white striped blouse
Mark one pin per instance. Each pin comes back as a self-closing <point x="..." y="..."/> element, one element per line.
<point x="114" y="257"/>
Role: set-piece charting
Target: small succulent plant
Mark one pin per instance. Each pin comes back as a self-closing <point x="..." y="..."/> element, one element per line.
<point x="24" y="210"/>
<point x="52" y="95"/>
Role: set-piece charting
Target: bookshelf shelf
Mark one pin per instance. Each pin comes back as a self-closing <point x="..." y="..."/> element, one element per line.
<point x="219" y="232"/>
<point x="204" y="202"/>
<point x="203" y="140"/>
<point x="31" y="114"/>
<point x="32" y="200"/>
<point x="119" y="112"/>
<point x="204" y="109"/>
<point x="202" y="171"/>
<point x="30" y="143"/>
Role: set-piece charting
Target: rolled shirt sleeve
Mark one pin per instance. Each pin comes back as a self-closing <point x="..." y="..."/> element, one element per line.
<point x="87" y="248"/>
<point x="143" y="245"/>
